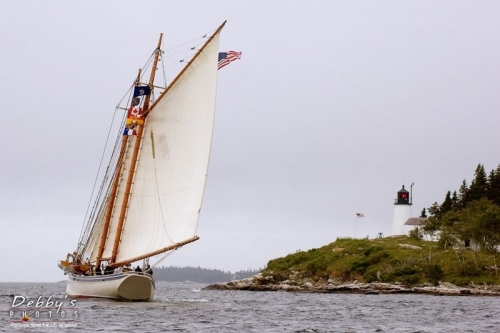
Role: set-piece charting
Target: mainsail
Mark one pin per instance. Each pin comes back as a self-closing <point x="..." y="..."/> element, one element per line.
<point x="169" y="176"/>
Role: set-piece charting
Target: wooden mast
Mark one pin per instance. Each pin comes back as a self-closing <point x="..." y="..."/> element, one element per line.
<point x="114" y="189"/>
<point x="187" y="66"/>
<point x="133" y="164"/>
<point x="133" y="161"/>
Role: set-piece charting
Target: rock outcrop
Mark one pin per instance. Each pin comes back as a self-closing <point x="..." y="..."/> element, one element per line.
<point x="296" y="283"/>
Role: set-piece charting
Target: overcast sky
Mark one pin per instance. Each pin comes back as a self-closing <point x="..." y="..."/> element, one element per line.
<point x="333" y="106"/>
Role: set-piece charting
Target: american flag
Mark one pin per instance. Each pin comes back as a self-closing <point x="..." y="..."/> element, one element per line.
<point x="360" y="215"/>
<point x="226" y="57"/>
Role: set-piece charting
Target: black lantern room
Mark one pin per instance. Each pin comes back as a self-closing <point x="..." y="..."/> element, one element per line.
<point x="403" y="197"/>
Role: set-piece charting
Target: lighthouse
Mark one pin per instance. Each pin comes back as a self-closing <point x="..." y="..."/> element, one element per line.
<point x="402" y="212"/>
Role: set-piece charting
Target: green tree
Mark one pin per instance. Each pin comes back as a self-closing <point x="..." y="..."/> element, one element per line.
<point x="431" y="226"/>
<point x="434" y="210"/>
<point x="471" y="215"/>
<point x="450" y="229"/>
<point x="454" y="200"/>
<point x="463" y="196"/>
<point x="416" y="233"/>
<point x="481" y="223"/>
<point x="493" y="190"/>
<point x="447" y="204"/>
<point x="479" y="186"/>
<point x="423" y="214"/>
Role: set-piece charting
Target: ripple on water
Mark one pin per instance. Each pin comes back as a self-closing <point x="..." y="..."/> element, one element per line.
<point x="189" y="308"/>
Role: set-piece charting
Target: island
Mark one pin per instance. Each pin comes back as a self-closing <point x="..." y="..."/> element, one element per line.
<point x="388" y="265"/>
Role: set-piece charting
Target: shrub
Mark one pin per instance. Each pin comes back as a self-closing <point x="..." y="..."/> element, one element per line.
<point x="407" y="275"/>
<point x="377" y="257"/>
<point x="416" y="234"/>
<point x="434" y="273"/>
<point x="370" y="275"/>
<point x="359" y="265"/>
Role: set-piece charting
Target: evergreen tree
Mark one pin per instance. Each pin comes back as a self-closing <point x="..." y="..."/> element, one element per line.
<point x="454" y="201"/>
<point x="493" y="190"/>
<point x="434" y="209"/>
<point x="479" y="186"/>
<point x="423" y="214"/>
<point x="463" y="196"/>
<point x="471" y="215"/>
<point x="431" y="226"/>
<point x="480" y="222"/>
<point x="198" y="274"/>
<point x="447" y="204"/>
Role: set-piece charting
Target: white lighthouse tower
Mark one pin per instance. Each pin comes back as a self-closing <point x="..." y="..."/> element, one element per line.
<point x="402" y="212"/>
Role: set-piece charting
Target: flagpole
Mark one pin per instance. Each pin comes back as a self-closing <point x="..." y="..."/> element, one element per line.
<point x="358" y="215"/>
<point x="355" y="221"/>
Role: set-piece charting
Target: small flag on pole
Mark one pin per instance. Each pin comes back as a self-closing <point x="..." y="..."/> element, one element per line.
<point x="142" y="91"/>
<point x="129" y="131"/>
<point x="226" y="57"/>
<point x="360" y="215"/>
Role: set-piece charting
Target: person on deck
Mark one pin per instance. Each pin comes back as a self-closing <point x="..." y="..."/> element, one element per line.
<point x="138" y="269"/>
<point x="149" y="270"/>
<point x="108" y="270"/>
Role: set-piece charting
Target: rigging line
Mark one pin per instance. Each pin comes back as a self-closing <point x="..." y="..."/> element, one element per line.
<point x="127" y="93"/>
<point x="188" y="57"/>
<point x="97" y="209"/>
<point x="105" y="178"/>
<point x="158" y="194"/>
<point x="99" y="201"/>
<point x="189" y="54"/>
<point x="166" y="54"/>
<point x="146" y="65"/>
<point x="173" y="54"/>
<point x="188" y="42"/>
<point x="167" y="254"/>
<point x="89" y="245"/>
<point x="193" y="48"/>
<point x="175" y="63"/>
<point x="153" y="97"/>
<point x="98" y="172"/>
<point x="196" y="45"/>
<point x="169" y="51"/>
<point x="182" y="60"/>
<point x="163" y="70"/>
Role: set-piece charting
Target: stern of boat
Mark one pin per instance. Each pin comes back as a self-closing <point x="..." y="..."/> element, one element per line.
<point x="137" y="287"/>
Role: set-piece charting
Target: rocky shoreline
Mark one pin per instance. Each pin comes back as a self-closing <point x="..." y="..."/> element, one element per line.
<point x="294" y="283"/>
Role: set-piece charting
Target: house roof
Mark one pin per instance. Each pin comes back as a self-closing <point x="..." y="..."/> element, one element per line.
<point x="416" y="221"/>
<point x="403" y="190"/>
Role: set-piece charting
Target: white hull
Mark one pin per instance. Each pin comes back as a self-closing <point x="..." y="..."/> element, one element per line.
<point x="128" y="286"/>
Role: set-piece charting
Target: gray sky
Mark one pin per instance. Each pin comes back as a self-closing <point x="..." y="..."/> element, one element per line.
<point x="333" y="106"/>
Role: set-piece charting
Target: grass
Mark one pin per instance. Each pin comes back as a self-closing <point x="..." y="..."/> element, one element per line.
<point x="385" y="260"/>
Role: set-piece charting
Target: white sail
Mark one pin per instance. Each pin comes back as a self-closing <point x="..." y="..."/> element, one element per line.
<point x="170" y="176"/>
<point x="152" y="190"/>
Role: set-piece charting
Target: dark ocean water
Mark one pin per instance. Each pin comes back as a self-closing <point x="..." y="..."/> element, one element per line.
<point x="183" y="307"/>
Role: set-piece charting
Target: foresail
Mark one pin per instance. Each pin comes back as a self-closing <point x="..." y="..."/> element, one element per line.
<point x="169" y="181"/>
